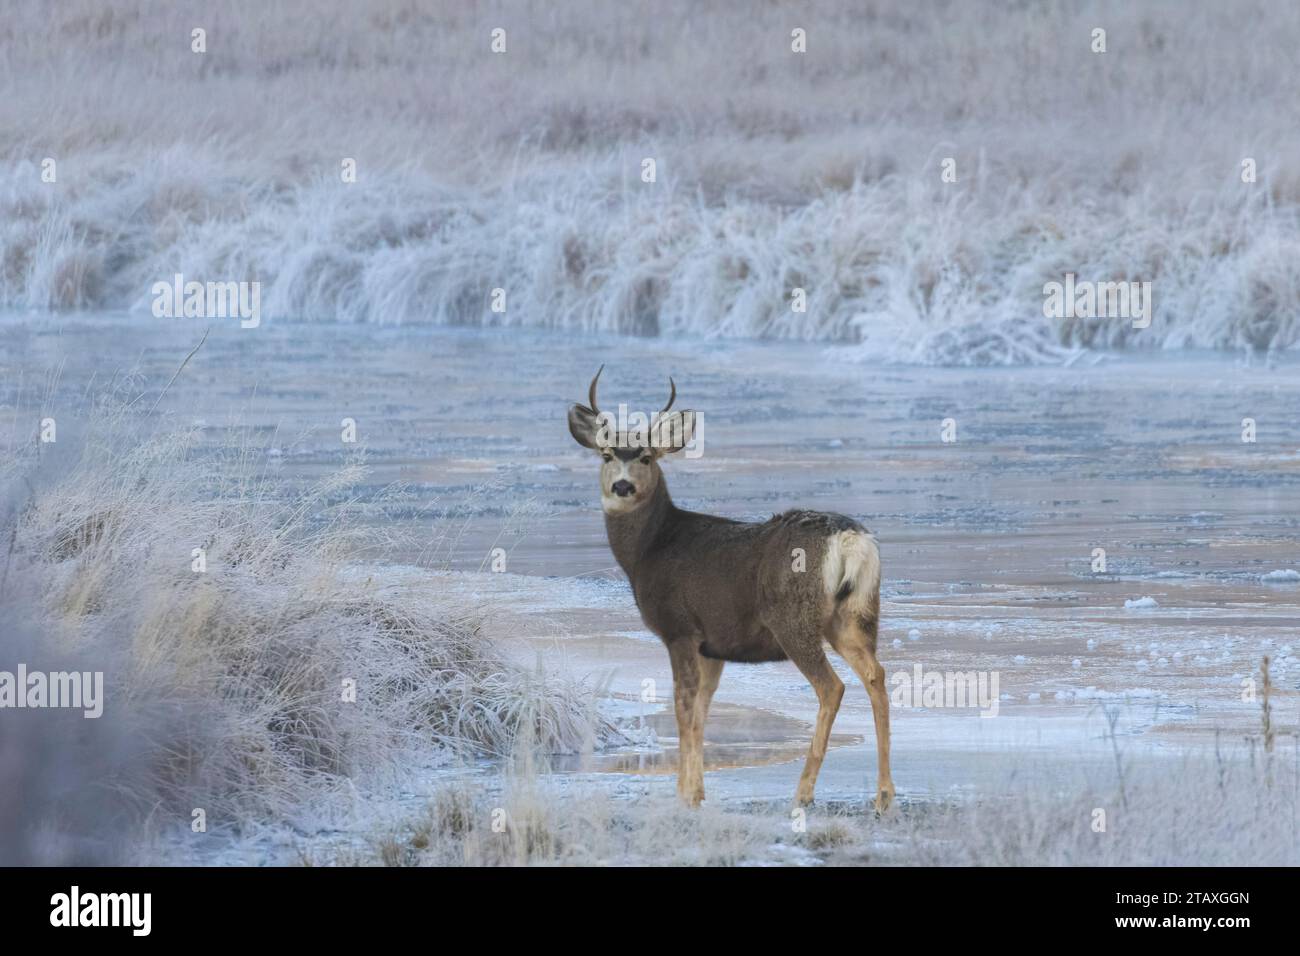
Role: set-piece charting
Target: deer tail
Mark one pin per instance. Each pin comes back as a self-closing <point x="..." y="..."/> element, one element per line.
<point x="851" y="573"/>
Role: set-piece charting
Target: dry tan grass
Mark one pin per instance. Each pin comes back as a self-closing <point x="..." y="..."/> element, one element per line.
<point x="235" y="674"/>
<point x="1193" y="811"/>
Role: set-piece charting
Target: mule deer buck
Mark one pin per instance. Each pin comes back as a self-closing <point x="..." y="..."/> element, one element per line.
<point x="716" y="590"/>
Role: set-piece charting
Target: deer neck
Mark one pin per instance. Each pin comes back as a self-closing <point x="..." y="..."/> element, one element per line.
<point x="631" y="535"/>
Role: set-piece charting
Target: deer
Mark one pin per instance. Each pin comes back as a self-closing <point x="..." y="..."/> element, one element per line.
<point x="717" y="590"/>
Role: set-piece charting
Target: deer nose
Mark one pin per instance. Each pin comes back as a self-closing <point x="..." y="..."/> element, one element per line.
<point x="623" y="488"/>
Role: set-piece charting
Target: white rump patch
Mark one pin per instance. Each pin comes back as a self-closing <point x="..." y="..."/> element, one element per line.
<point x="852" y="557"/>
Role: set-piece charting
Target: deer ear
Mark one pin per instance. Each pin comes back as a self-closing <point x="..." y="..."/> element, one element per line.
<point x="583" y="425"/>
<point x="672" y="432"/>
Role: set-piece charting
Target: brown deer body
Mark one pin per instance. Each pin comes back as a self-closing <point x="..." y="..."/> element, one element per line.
<point x="717" y="590"/>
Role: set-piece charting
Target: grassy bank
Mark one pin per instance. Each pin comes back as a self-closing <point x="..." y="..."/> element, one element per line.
<point x="247" y="672"/>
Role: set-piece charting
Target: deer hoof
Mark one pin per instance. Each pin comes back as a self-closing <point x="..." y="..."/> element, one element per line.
<point x="884" y="798"/>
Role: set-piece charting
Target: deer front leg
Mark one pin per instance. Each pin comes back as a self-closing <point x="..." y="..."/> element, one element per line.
<point x="710" y="673"/>
<point x="686" y="687"/>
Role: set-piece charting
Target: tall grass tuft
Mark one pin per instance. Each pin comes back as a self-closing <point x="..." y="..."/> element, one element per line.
<point x="775" y="170"/>
<point x="231" y="627"/>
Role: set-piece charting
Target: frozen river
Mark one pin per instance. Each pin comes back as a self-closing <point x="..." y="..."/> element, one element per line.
<point x="991" y="542"/>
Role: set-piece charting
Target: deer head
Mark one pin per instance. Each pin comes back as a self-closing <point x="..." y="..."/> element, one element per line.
<point x="629" y="471"/>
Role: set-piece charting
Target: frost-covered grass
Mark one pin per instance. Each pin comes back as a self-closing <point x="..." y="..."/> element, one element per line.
<point x="522" y="170"/>
<point x="228" y="668"/>
<point x="1240" y="809"/>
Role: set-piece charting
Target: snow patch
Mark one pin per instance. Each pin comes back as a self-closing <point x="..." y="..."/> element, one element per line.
<point x="1287" y="576"/>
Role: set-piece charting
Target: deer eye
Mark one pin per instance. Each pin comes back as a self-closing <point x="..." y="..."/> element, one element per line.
<point x="645" y="460"/>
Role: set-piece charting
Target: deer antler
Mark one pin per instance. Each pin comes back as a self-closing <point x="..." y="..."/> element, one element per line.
<point x="671" y="398"/>
<point x="591" y="392"/>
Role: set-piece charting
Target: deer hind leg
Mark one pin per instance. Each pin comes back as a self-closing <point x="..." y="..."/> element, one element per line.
<point x="812" y="663"/>
<point x="855" y="640"/>
<point x="685" y="660"/>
